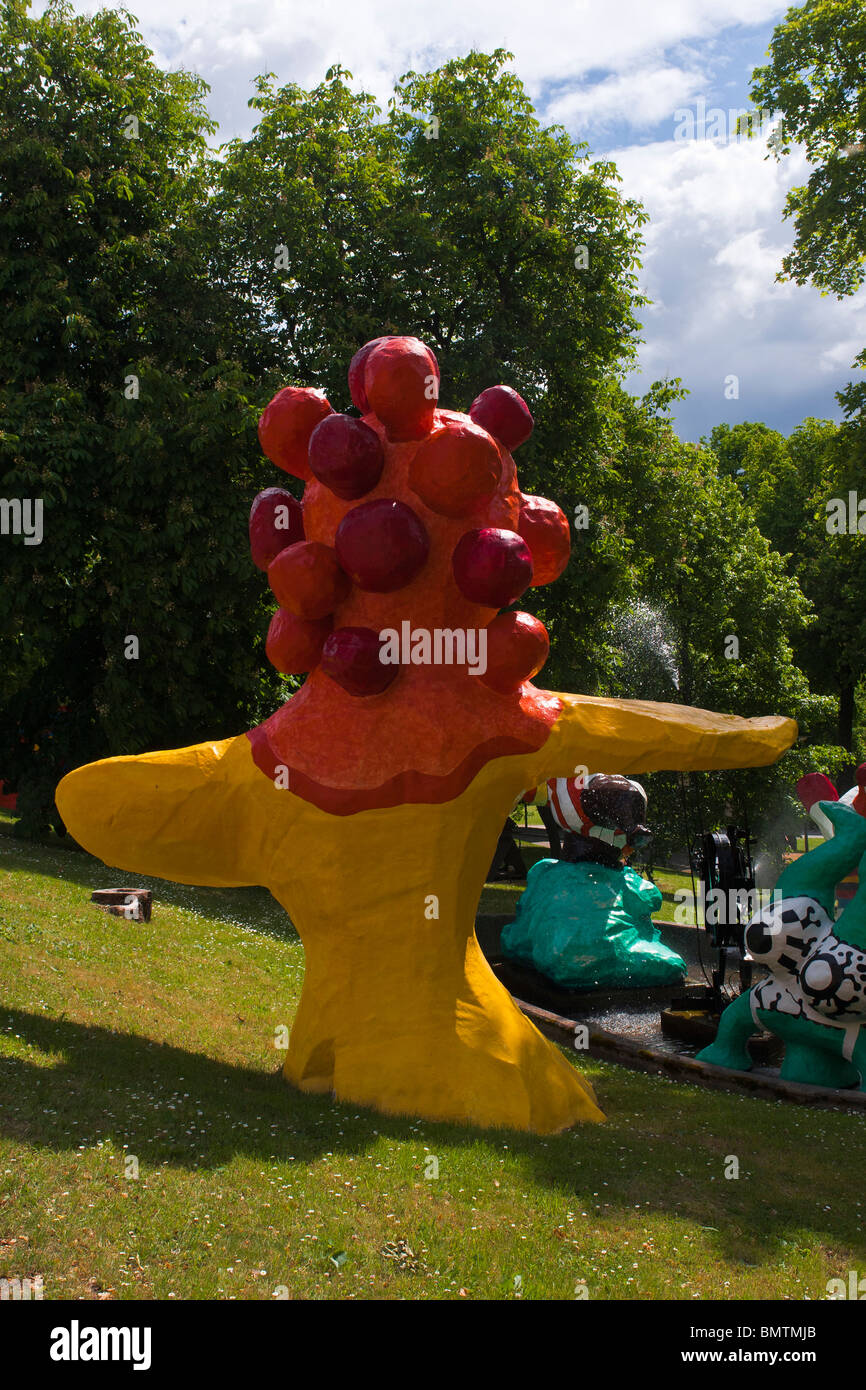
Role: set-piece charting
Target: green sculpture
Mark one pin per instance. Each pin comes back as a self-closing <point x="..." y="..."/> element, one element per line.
<point x="814" y="998"/>
<point x="585" y="921"/>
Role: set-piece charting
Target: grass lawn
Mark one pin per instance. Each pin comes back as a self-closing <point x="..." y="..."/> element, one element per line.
<point x="155" y="1043"/>
<point x="671" y="881"/>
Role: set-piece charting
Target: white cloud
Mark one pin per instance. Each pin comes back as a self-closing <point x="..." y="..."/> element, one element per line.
<point x="554" y="42"/>
<point x="715" y="243"/>
<point x="751" y="265"/>
<point x="643" y="97"/>
<point x="839" y="356"/>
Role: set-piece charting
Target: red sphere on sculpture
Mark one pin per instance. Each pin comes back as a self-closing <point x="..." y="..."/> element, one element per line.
<point x="456" y="469"/>
<point x="492" y="566"/>
<point x="381" y="545"/>
<point x="356" y="374"/>
<point x="276" y="520"/>
<point x="401" y="383"/>
<point x="286" y="425"/>
<point x="293" y="644"/>
<point x="517" y="648"/>
<point x="351" y="657"/>
<point x="306" y="578"/>
<point x="346" y="455"/>
<point x="544" y="527"/>
<point x="504" y="414"/>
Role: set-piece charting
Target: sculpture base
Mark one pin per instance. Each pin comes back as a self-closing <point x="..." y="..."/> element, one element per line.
<point x="400" y="1010"/>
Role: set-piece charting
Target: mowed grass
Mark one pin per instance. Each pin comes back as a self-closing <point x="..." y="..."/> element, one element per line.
<point x="672" y="881"/>
<point x="150" y="1048"/>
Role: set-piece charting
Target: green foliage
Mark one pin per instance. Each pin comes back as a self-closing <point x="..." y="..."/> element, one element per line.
<point x="762" y="800"/>
<point x="213" y="281"/>
<point x="465" y="234"/>
<point x="794" y="486"/>
<point x="119" y="409"/>
<point x="198" y="276"/>
<point x="683" y="549"/>
<point x="707" y="615"/>
<point x="816" y="79"/>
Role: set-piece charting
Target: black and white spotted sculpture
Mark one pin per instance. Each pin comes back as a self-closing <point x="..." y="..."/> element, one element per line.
<point x="814" y="998"/>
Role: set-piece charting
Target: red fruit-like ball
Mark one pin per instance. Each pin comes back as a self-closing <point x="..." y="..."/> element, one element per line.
<point x="356" y="374"/>
<point x="517" y="648"/>
<point x="381" y="545"/>
<point x="492" y="566"/>
<point x="401" y="381"/>
<point x="286" y="426"/>
<point x="350" y="657"/>
<point x="306" y="579"/>
<point x="294" y="646"/>
<point x="544" y="527"/>
<point x="501" y="412"/>
<point x="455" y="469"/>
<point x="346" y="455"/>
<point x="276" y="520"/>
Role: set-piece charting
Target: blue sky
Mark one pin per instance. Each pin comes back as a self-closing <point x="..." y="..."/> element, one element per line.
<point x="614" y="73"/>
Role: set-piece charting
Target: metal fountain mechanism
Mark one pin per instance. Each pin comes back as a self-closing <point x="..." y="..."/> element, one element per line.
<point x="722" y="863"/>
<point x="723" y="883"/>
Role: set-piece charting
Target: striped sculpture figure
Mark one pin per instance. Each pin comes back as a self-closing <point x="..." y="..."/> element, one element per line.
<point x="585" y="921"/>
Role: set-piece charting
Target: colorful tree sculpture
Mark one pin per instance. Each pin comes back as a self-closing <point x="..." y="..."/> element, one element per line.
<point x="370" y="803"/>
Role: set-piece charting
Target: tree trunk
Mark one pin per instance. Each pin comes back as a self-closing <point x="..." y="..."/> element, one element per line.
<point x="846" y="715"/>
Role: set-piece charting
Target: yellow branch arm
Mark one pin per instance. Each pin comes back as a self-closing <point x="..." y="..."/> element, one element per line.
<point x="188" y="814"/>
<point x="634" y="736"/>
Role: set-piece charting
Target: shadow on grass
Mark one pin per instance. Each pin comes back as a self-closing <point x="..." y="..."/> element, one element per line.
<point x="119" y="1086"/>
<point x="170" y="1106"/>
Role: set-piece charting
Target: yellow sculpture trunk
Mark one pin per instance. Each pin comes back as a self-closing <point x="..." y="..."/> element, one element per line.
<point x="399" y="1009"/>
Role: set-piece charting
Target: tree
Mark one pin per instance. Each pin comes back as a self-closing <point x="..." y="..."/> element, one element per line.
<point x="159" y="296"/>
<point x="197" y="277"/>
<point x="816" y="80"/>
<point x="120" y="413"/>
<point x="833" y="570"/>
<point x="711" y="615"/>
<point x="466" y="225"/>
<point x="799" y="489"/>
